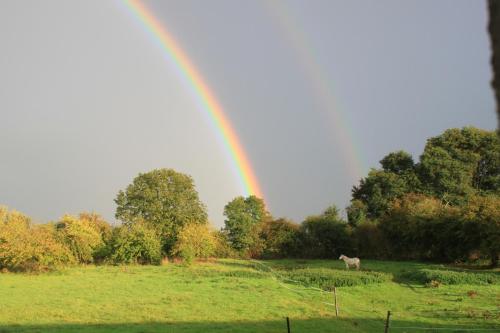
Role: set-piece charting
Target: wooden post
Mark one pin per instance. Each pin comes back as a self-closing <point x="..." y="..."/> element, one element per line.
<point x="288" y="324"/>
<point x="335" y="299"/>
<point x="387" y="322"/>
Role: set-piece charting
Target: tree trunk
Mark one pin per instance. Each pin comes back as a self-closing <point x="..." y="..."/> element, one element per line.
<point x="494" y="30"/>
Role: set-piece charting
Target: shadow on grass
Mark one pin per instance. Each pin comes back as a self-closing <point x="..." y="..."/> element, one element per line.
<point x="317" y="325"/>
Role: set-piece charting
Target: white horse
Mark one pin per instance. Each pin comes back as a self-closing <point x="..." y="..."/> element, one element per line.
<point x="350" y="262"/>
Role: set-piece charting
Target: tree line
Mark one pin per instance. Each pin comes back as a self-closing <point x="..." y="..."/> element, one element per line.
<point x="445" y="208"/>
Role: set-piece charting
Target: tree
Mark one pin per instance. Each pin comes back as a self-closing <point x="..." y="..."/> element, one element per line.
<point x="378" y="190"/>
<point x="418" y="226"/>
<point x="96" y="221"/>
<point x="195" y="241"/>
<point x="243" y="216"/>
<point x="460" y="163"/>
<point x="356" y="212"/>
<point x="137" y="243"/>
<point x="164" y="198"/>
<point x="399" y="162"/>
<point x="280" y="238"/>
<point x="28" y="247"/>
<point x="325" y="235"/>
<point x="482" y="218"/>
<point x="80" y="236"/>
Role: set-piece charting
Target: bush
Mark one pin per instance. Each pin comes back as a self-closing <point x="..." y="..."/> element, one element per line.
<point x="80" y="236"/>
<point x="195" y="241"/>
<point x="97" y="223"/>
<point x="422" y="227"/>
<point x="29" y="248"/>
<point x="223" y="248"/>
<point x="322" y="237"/>
<point x="427" y="276"/>
<point x="481" y="215"/>
<point x="280" y="238"/>
<point x="134" y="244"/>
<point x="326" y="279"/>
<point x="370" y="240"/>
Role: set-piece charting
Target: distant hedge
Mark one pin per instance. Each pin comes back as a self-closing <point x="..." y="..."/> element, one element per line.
<point x="326" y="279"/>
<point x="426" y="276"/>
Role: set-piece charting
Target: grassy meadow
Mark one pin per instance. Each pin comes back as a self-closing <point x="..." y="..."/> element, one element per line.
<point x="251" y="296"/>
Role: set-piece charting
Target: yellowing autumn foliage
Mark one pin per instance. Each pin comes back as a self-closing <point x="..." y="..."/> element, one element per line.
<point x="195" y="241"/>
<point x="28" y="247"/>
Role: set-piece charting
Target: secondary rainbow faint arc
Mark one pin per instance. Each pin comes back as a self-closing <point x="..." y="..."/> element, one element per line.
<point x="209" y="103"/>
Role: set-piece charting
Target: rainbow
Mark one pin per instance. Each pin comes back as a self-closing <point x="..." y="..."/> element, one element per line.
<point x="282" y="13"/>
<point x="206" y="99"/>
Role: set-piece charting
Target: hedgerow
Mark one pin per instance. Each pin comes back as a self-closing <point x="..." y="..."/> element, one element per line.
<point x="426" y="276"/>
<point x="326" y="279"/>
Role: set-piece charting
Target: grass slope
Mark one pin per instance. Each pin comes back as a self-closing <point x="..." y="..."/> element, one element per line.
<point x="246" y="296"/>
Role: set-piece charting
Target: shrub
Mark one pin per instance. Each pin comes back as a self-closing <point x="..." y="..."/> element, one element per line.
<point x="427" y="276"/>
<point x="29" y="248"/>
<point x="422" y="227"/>
<point x="481" y="217"/>
<point x="326" y="279"/>
<point x="134" y="244"/>
<point x="96" y="221"/>
<point x="323" y="237"/>
<point x="370" y="240"/>
<point x="223" y="248"/>
<point x="279" y="237"/>
<point x="80" y="236"/>
<point x="195" y="241"/>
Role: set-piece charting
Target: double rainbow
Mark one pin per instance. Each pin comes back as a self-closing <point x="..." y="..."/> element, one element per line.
<point x="207" y="100"/>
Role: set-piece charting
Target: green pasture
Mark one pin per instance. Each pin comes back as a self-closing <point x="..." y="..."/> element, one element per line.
<point x="251" y="296"/>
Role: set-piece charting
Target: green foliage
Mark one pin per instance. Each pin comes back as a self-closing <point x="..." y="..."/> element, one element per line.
<point x="325" y="235"/>
<point x="326" y="279"/>
<point x="427" y="276"/>
<point x="223" y="247"/>
<point x="27" y="247"/>
<point x="481" y="218"/>
<point x="379" y="189"/>
<point x="399" y="162"/>
<point x="454" y="165"/>
<point x="370" y="241"/>
<point x="421" y="227"/>
<point x="356" y="212"/>
<point x="137" y="243"/>
<point x="461" y="162"/>
<point x="280" y="238"/>
<point x="242" y="223"/>
<point x="81" y="237"/>
<point x="195" y="241"/>
<point x="164" y="198"/>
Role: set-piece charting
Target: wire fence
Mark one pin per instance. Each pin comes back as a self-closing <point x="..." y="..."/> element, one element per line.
<point x="386" y="326"/>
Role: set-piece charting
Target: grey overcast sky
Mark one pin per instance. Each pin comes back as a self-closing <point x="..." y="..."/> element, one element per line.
<point x="318" y="91"/>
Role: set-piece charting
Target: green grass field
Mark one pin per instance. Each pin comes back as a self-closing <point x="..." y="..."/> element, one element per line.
<point x="246" y="296"/>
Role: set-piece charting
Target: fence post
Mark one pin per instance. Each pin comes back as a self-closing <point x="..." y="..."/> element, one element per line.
<point x="288" y="324"/>
<point x="387" y="322"/>
<point x="335" y="299"/>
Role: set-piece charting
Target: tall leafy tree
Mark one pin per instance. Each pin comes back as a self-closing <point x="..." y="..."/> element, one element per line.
<point x="243" y="216"/>
<point x="398" y="162"/>
<point x="377" y="190"/>
<point x="460" y="163"/>
<point x="163" y="198"/>
<point x="373" y="195"/>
